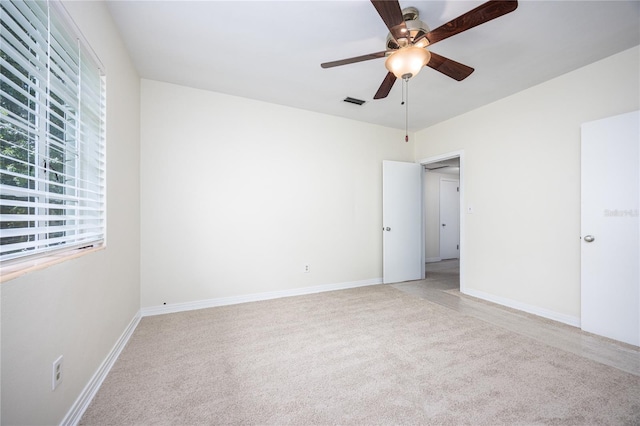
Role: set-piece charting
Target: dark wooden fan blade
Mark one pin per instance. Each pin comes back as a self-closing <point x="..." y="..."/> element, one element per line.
<point x="385" y="87"/>
<point x="391" y="14"/>
<point x="354" y="60"/>
<point x="449" y="67"/>
<point x="481" y="14"/>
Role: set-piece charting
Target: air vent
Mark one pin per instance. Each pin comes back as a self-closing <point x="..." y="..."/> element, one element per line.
<point x="355" y="101"/>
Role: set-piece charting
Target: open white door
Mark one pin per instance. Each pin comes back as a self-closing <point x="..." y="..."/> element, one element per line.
<point x="402" y="222"/>
<point x="610" y="274"/>
<point x="449" y="219"/>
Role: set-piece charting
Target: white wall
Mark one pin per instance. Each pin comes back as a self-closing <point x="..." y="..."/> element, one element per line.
<point x="522" y="241"/>
<point x="238" y="195"/>
<point x="81" y="307"/>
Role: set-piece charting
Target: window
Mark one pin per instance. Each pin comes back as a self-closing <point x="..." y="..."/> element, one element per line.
<point x="52" y="120"/>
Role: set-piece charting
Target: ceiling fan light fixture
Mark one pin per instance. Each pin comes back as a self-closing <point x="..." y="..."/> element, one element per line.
<point x="407" y="62"/>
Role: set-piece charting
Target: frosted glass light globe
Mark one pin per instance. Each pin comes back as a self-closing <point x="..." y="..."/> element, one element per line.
<point x="407" y="62"/>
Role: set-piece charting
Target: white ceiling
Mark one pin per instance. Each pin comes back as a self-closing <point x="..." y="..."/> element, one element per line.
<point x="272" y="50"/>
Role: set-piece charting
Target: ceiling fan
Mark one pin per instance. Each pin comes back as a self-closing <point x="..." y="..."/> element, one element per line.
<point x="409" y="37"/>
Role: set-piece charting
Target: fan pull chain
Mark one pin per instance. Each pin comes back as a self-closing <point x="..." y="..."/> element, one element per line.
<point x="405" y="101"/>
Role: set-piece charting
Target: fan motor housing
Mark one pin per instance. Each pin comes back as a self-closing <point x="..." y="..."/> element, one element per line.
<point x="415" y="26"/>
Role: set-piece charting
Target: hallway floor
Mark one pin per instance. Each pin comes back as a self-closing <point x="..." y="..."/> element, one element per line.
<point x="442" y="287"/>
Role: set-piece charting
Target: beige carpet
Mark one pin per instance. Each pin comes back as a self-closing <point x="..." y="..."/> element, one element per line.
<point x="366" y="356"/>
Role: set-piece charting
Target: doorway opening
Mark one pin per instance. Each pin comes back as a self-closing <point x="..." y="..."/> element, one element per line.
<point x="442" y="221"/>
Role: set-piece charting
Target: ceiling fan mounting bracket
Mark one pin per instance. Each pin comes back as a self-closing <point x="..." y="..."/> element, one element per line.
<point x="410" y="13"/>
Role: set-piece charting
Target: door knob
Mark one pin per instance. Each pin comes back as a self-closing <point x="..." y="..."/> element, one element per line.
<point x="589" y="238"/>
<point x="444" y="224"/>
<point x="387" y="229"/>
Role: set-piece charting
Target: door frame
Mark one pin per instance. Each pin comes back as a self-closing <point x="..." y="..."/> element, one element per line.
<point x="447" y="156"/>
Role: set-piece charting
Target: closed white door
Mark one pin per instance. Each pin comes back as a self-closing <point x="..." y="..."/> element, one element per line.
<point x="449" y="219"/>
<point x="610" y="235"/>
<point x="402" y="222"/>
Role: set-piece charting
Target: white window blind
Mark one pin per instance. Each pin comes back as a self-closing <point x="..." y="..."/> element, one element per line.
<point x="52" y="120"/>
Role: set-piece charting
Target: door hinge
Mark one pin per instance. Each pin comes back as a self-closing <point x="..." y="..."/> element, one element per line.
<point x="457" y="246"/>
<point x="457" y="189"/>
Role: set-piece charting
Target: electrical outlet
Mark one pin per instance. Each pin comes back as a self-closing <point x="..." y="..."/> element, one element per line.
<point x="56" y="377"/>
<point x="307" y="269"/>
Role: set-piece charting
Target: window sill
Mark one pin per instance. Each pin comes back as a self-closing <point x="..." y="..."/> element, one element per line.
<point x="21" y="268"/>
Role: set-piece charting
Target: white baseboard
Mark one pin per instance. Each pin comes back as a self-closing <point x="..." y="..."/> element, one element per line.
<point x="536" y="310"/>
<point x="433" y="259"/>
<point x="82" y="402"/>
<point x="233" y="300"/>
